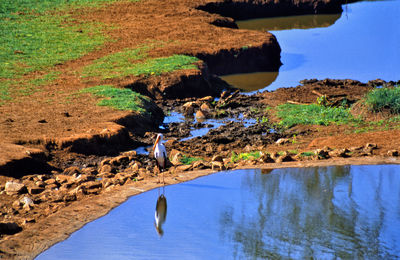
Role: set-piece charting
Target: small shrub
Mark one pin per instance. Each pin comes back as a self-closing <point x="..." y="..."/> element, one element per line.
<point x="313" y="114"/>
<point x="384" y="98"/>
<point x="245" y="156"/>
<point x="307" y="154"/>
<point x="189" y="160"/>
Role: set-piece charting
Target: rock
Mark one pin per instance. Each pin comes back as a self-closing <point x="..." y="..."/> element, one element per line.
<point x="282" y="141"/>
<point x="35" y="190"/>
<point x="284" y="158"/>
<point x="52" y="186"/>
<point x="200" y="115"/>
<point x="183" y="168"/>
<point x="176" y="157"/>
<point x="394" y="153"/>
<point x="104" y="162"/>
<point x="29" y="220"/>
<point x="72" y="171"/>
<point x="188" y="108"/>
<point x="57" y="196"/>
<point x="105" y="175"/>
<point x="217" y="165"/>
<point x="50" y="181"/>
<point x="339" y="153"/>
<point x="89" y="170"/>
<point x="142" y="172"/>
<point x="135" y="167"/>
<point x="40" y="184"/>
<point x="222" y="148"/>
<point x="12" y="188"/>
<point x="205" y="108"/>
<point x="275" y="155"/>
<point x="27" y="203"/>
<point x="43" y="177"/>
<point x="77" y="192"/>
<point x="217" y="158"/>
<point x="9" y="228"/>
<point x="91" y="185"/>
<point x="266" y="158"/>
<point x="209" y="148"/>
<point x="370" y="146"/>
<point x="62" y="178"/>
<point x="130" y="154"/>
<point x="106" y="168"/>
<point x="207" y="99"/>
<point x="107" y="183"/>
<point x="120" y="160"/>
<point x="69" y="197"/>
<point x="321" y="153"/>
<point x="17" y="204"/>
<point x="227" y="161"/>
<point x="84" y="178"/>
<point x="199" y="165"/>
<point x="121" y="177"/>
<point x="170" y="143"/>
<point x="224" y="94"/>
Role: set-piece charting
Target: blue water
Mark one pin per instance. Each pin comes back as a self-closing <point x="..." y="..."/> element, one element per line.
<point x="363" y="44"/>
<point x="346" y="212"/>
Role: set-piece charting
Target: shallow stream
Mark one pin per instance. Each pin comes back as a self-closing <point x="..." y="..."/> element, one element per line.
<point x="326" y="212"/>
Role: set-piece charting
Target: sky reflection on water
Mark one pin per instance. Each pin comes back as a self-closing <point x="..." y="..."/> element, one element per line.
<point x="363" y="44"/>
<point x="326" y="212"/>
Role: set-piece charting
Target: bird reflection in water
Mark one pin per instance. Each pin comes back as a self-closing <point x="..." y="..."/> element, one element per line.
<point x="161" y="212"/>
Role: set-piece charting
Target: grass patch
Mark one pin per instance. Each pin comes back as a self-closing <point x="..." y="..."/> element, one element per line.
<point x="118" y="98"/>
<point x="313" y="114"/>
<point x="35" y="35"/>
<point x="384" y="98"/>
<point x="189" y="160"/>
<point x="384" y="124"/>
<point x="34" y="42"/>
<point x="135" y="62"/>
<point x="245" y="156"/>
<point x="307" y="154"/>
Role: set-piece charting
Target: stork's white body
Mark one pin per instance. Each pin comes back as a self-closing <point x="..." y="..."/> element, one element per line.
<point x="160" y="153"/>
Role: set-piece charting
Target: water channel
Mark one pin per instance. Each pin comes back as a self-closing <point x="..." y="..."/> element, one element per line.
<point x="345" y="212"/>
<point x="362" y="43"/>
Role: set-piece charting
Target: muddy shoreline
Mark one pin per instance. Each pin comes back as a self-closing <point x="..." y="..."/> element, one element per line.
<point x="61" y="224"/>
<point x="77" y="166"/>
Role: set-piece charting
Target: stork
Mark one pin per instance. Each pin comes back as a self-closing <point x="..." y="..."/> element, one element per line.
<point x="160" y="153"/>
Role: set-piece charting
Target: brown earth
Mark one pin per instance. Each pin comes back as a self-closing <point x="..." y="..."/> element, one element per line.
<point x="55" y="116"/>
<point x="68" y="156"/>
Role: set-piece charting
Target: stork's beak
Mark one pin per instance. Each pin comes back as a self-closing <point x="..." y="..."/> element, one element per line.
<point x="155" y="144"/>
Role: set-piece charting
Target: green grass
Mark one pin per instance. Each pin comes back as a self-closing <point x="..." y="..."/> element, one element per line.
<point x="189" y="160"/>
<point x="384" y="98"/>
<point x="35" y="35"/>
<point x="135" y="62"/>
<point x="384" y="124"/>
<point x="118" y="98"/>
<point x="307" y="154"/>
<point x="245" y="156"/>
<point x="313" y="114"/>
